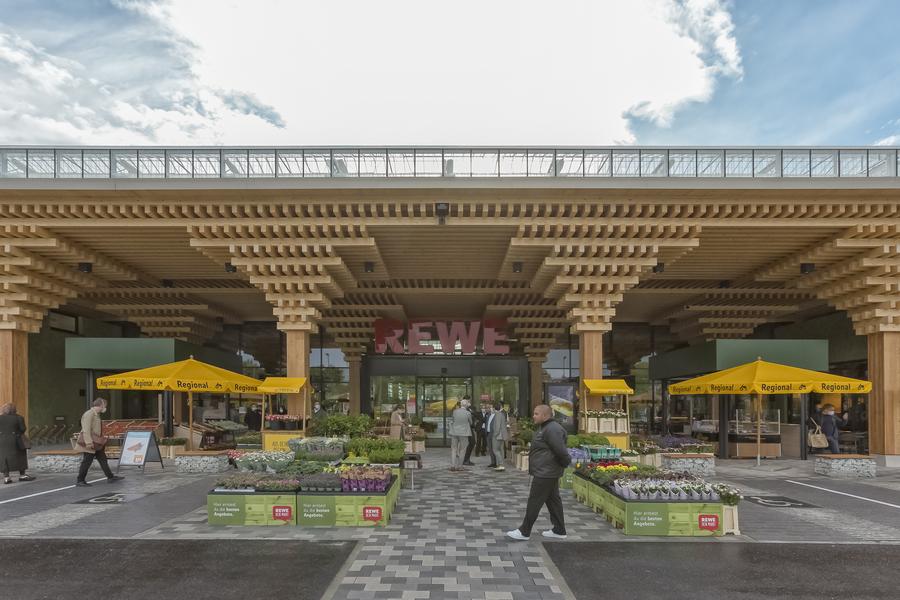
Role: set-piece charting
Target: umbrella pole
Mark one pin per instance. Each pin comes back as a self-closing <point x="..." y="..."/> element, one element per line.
<point x="758" y="428"/>
<point x="190" y="420"/>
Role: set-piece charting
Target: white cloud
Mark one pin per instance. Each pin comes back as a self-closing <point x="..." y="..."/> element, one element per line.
<point x="891" y="140"/>
<point x="405" y="72"/>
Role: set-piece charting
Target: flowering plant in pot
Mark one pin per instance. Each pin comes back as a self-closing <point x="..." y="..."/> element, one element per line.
<point x="275" y="422"/>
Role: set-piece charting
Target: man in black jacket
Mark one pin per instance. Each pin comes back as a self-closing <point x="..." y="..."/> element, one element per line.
<point x="547" y="461"/>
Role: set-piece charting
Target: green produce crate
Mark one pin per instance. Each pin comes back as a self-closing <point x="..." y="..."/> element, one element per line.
<point x="251" y="508"/>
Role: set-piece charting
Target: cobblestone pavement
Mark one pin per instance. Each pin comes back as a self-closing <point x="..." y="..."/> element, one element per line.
<point x="446" y="539"/>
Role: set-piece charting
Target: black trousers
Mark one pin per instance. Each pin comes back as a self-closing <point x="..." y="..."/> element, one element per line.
<point x="469" y="448"/>
<point x="87" y="459"/>
<point x="544" y="491"/>
<point x="480" y="443"/>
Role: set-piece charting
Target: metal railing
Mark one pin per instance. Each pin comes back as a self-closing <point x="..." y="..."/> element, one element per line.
<point x="617" y="161"/>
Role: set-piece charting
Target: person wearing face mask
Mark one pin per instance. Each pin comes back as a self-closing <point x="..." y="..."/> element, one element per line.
<point x="831" y="425"/>
<point x="91" y="443"/>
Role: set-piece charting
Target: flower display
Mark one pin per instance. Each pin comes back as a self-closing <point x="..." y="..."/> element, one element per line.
<point x="264" y="461"/>
<point x="282" y="418"/>
<point x="364" y="478"/>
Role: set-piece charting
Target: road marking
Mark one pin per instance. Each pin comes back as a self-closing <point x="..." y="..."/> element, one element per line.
<point x="68" y="487"/>
<point x="844" y="494"/>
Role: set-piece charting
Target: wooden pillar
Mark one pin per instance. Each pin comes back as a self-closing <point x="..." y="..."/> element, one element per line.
<point x="355" y="363"/>
<point x="536" y="378"/>
<point x="884" y="400"/>
<point x="14" y="370"/>
<point x="297" y="342"/>
<point x="590" y="352"/>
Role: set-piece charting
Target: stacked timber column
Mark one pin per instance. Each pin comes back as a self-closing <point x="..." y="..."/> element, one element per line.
<point x="14" y="370"/>
<point x="355" y="363"/>
<point x="858" y="271"/>
<point x="39" y="271"/>
<point x="299" y="269"/>
<point x="536" y="377"/>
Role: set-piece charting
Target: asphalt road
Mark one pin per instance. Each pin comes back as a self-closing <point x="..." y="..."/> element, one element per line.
<point x="154" y="569"/>
<point x="676" y="570"/>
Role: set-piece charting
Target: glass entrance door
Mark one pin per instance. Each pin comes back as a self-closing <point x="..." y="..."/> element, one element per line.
<point x="437" y="397"/>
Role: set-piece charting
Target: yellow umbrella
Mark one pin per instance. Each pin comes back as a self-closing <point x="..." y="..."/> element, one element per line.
<point x="182" y="376"/>
<point x="283" y="385"/>
<point x="761" y="377"/>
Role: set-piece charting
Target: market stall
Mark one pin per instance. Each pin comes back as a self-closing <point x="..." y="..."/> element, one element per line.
<point x="605" y="410"/>
<point x="759" y="378"/>
<point x="182" y="376"/>
<point x="277" y="439"/>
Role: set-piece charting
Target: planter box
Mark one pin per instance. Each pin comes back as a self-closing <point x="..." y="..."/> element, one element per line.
<point x="363" y="509"/>
<point x="730" y="520"/>
<point x="593" y="425"/>
<point x="201" y="462"/>
<point x="657" y="518"/>
<point x="653" y="460"/>
<point x="845" y="465"/>
<point x="622" y="425"/>
<point x="418" y="446"/>
<point x="701" y="465"/>
<point x="251" y="508"/>
<point x="567" y="480"/>
<point x="171" y="451"/>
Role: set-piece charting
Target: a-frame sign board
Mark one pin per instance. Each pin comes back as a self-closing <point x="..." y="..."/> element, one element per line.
<point x="139" y="448"/>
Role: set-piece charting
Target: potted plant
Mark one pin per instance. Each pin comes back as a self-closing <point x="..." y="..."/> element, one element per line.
<point x="290" y="422"/>
<point x="170" y="446"/>
<point x="275" y="422"/>
<point x="419" y="442"/>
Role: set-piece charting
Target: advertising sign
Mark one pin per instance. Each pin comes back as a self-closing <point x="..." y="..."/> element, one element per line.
<point x="139" y="448"/>
<point x="251" y="509"/>
<point x="397" y="337"/>
<point x="561" y="398"/>
<point x="313" y="511"/>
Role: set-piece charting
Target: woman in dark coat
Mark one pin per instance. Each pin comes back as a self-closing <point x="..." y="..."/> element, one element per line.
<point x="11" y="457"/>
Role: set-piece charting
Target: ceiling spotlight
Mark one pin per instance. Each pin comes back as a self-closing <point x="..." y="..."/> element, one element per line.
<point x="85" y="267"/>
<point x="517" y="267"/>
<point x="659" y="267"/>
<point x="230" y="268"/>
<point x="442" y="210"/>
<point x="724" y="284"/>
<point x="167" y="283"/>
<point x="807" y="268"/>
<point x="369" y="266"/>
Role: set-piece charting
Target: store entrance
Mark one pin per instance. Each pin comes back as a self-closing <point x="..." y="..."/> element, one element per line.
<point x="436" y="398"/>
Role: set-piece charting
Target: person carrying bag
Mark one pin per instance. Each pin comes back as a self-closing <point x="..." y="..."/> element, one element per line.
<point x="816" y="439"/>
<point x="91" y="443"/>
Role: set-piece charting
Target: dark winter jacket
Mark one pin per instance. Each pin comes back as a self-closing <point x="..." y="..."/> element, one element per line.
<point x="831" y="425"/>
<point x="549" y="456"/>
<point x="11" y="458"/>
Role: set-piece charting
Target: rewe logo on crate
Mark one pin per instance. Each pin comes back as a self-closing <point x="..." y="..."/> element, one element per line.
<point x="282" y="513"/>
<point x="372" y="513"/>
<point x="709" y="522"/>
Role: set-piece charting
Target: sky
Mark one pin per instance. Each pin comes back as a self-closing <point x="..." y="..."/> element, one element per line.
<point x="458" y="72"/>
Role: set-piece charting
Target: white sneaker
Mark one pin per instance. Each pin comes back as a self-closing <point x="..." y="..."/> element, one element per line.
<point x="500" y="469"/>
<point x="550" y="534"/>
<point x="517" y="535"/>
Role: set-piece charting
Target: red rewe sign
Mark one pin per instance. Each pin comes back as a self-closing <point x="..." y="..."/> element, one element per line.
<point x="709" y="522"/>
<point x="372" y="513"/>
<point x="397" y="337"/>
<point x="282" y="513"/>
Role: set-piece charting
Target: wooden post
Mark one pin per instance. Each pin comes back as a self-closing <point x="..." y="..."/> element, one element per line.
<point x="14" y="370"/>
<point x="758" y="427"/>
<point x="590" y="352"/>
<point x="536" y="379"/>
<point x="884" y="400"/>
<point x="297" y="341"/>
<point x="355" y="362"/>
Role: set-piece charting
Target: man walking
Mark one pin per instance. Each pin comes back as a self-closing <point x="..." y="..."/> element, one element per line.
<point x="498" y="437"/>
<point x="91" y="443"/>
<point x="547" y="461"/>
<point x="460" y="430"/>
<point x="480" y="432"/>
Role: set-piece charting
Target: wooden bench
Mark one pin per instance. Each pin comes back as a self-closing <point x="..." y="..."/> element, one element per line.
<point x="845" y="465"/>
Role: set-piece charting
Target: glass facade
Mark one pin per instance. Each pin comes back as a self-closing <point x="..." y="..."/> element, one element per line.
<point x="198" y="163"/>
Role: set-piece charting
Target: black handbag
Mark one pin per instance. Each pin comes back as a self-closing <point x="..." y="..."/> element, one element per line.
<point x="22" y="442"/>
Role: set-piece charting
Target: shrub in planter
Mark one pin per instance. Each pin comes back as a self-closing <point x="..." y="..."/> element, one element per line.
<point x="317" y="448"/>
<point x="321" y="482"/>
<point x="342" y="425"/>
<point x="382" y="448"/>
<point x="172" y="441"/>
<point x="264" y="461"/>
<point x="587" y="439"/>
<point x="278" y="485"/>
<point x="386" y="457"/>
<point x="241" y="481"/>
<point x="303" y="467"/>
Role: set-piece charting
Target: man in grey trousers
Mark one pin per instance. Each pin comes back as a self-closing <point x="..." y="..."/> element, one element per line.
<point x="498" y="436"/>
<point x="460" y="430"/>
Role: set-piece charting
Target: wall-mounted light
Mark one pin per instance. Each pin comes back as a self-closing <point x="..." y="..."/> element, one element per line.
<point x="442" y="211"/>
<point x="659" y="267"/>
<point x="230" y="268"/>
<point x="807" y="268"/>
<point x="517" y="267"/>
<point x="85" y="267"/>
<point x="369" y="266"/>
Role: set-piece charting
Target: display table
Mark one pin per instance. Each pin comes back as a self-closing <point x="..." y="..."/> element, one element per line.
<point x="660" y="518"/>
<point x="305" y="509"/>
